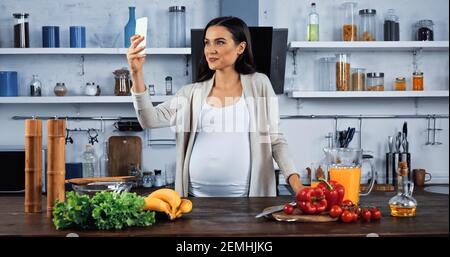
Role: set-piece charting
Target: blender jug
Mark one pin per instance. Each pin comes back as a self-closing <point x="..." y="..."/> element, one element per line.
<point x="344" y="166"/>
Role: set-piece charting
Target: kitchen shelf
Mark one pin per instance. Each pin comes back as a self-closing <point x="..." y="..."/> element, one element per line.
<point x="369" y="94"/>
<point x="369" y="45"/>
<point x="74" y="99"/>
<point x="93" y="51"/>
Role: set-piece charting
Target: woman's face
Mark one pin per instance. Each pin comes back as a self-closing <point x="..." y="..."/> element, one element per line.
<point x="220" y="49"/>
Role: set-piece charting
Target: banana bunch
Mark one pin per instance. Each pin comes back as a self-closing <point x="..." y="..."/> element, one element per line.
<point x="168" y="201"/>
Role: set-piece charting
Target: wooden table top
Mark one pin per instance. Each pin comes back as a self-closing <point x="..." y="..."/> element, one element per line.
<point x="235" y="217"/>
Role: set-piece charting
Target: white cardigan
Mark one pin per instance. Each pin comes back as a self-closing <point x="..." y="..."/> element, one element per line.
<point x="182" y="112"/>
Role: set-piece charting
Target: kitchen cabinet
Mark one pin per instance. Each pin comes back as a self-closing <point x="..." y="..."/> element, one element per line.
<point x="209" y="215"/>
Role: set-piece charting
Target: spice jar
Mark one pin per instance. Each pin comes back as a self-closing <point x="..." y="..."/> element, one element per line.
<point x="168" y="85"/>
<point x="358" y="79"/>
<point x="122" y="82"/>
<point x="368" y="25"/>
<point x="342" y="72"/>
<point x="151" y="89"/>
<point x="424" y="30"/>
<point x="148" y="179"/>
<point x="400" y="84"/>
<point x="375" y="81"/>
<point x="349" y="28"/>
<point x="417" y="80"/>
<point x="21" y="30"/>
<point x="60" y="89"/>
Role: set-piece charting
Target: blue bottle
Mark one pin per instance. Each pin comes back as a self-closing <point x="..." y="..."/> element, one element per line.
<point x="130" y="28"/>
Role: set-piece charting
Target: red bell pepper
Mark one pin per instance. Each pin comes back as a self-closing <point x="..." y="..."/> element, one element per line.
<point x="311" y="200"/>
<point x="334" y="192"/>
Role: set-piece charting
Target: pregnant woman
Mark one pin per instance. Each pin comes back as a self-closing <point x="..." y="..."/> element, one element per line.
<point x="226" y="123"/>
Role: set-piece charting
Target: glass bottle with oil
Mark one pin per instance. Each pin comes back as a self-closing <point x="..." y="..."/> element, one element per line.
<point x="403" y="204"/>
<point x="313" y="24"/>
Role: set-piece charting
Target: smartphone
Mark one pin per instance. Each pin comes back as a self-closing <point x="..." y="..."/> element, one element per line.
<point x="141" y="29"/>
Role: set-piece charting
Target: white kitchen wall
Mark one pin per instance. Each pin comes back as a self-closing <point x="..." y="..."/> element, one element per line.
<point x="305" y="137"/>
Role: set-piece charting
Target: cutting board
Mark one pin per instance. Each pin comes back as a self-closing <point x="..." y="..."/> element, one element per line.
<point x="298" y="216"/>
<point x="122" y="152"/>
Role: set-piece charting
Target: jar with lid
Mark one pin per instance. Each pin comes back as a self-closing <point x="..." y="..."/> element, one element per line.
<point x="60" y="89"/>
<point x="35" y="86"/>
<point x="391" y="26"/>
<point x="151" y="89"/>
<point x="400" y="84"/>
<point x="159" y="180"/>
<point x="21" y="30"/>
<point x="342" y="72"/>
<point x="367" y="29"/>
<point x="122" y="82"/>
<point x="424" y="30"/>
<point x="417" y="81"/>
<point x="358" y="79"/>
<point x="177" y="26"/>
<point x="90" y="89"/>
<point x="375" y="81"/>
<point x="168" y="85"/>
<point x="327" y="74"/>
<point x="148" y="179"/>
<point x="349" y="27"/>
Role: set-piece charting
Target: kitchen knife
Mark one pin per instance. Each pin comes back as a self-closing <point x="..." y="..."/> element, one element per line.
<point x="273" y="209"/>
<point x="391" y="143"/>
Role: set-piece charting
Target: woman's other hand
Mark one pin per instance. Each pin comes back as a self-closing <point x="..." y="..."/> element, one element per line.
<point x="135" y="58"/>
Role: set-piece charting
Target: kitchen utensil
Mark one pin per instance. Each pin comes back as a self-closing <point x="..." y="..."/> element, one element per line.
<point x="391" y="143"/>
<point x="298" y="216"/>
<point x="398" y="142"/>
<point x="273" y="209"/>
<point x="101" y="186"/>
<point x="123" y="152"/>
<point x="350" y="134"/>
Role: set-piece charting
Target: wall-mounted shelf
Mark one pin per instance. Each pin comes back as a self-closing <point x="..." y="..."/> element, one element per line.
<point x="75" y="99"/>
<point x="369" y="45"/>
<point x="93" y="51"/>
<point x="369" y="94"/>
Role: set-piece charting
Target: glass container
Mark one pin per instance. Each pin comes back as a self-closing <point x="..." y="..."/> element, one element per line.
<point x="122" y="82"/>
<point x="21" y="30"/>
<point x="400" y="84"/>
<point x="151" y="89"/>
<point x="168" y="85"/>
<point x="367" y="29"/>
<point x="417" y="80"/>
<point x="403" y="204"/>
<point x="313" y="24"/>
<point x="327" y="74"/>
<point x="358" y="79"/>
<point x="35" y="86"/>
<point x="391" y="26"/>
<point x="349" y="27"/>
<point x="375" y="81"/>
<point x="424" y="30"/>
<point x="60" y="89"/>
<point x="177" y="26"/>
<point x="343" y="72"/>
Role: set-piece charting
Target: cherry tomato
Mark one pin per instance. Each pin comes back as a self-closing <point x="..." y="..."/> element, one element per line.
<point x="288" y="209"/>
<point x="335" y="211"/>
<point x="346" y="216"/>
<point x="355" y="216"/>
<point x="376" y="214"/>
<point x="366" y="215"/>
<point x="347" y="203"/>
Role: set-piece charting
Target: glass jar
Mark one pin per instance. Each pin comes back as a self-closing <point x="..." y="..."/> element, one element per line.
<point x="90" y="89"/>
<point x="375" y="81"/>
<point x="177" y="26"/>
<point x="168" y="85"/>
<point x="424" y="30"/>
<point x="417" y="80"/>
<point x="148" y="179"/>
<point x="358" y="79"/>
<point x="367" y="30"/>
<point x="349" y="28"/>
<point x="21" y="30"/>
<point x="151" y="89"/>
<point x="122" y="82"/>
<point x="327" y="74"/>
<point x="400" y="84"/>
<point x="35" y="86"/>
<point x="391" y="26"/>
<point x="60" y="89"/>
<point x="343" y="72"/>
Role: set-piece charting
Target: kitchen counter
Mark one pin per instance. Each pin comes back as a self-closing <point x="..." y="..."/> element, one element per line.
<point x="235" y="217"/>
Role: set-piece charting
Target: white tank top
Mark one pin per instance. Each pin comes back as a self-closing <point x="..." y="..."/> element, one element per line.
<point x="220" y="160"/>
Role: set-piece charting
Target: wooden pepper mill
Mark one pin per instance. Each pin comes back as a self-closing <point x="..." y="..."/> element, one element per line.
<point x="56" y="170"/>
<point x="33" y="166"/>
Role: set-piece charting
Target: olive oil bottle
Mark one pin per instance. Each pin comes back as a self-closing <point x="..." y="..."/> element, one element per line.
<point x="313" y="24"/>
<point x="403" y="204"/>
